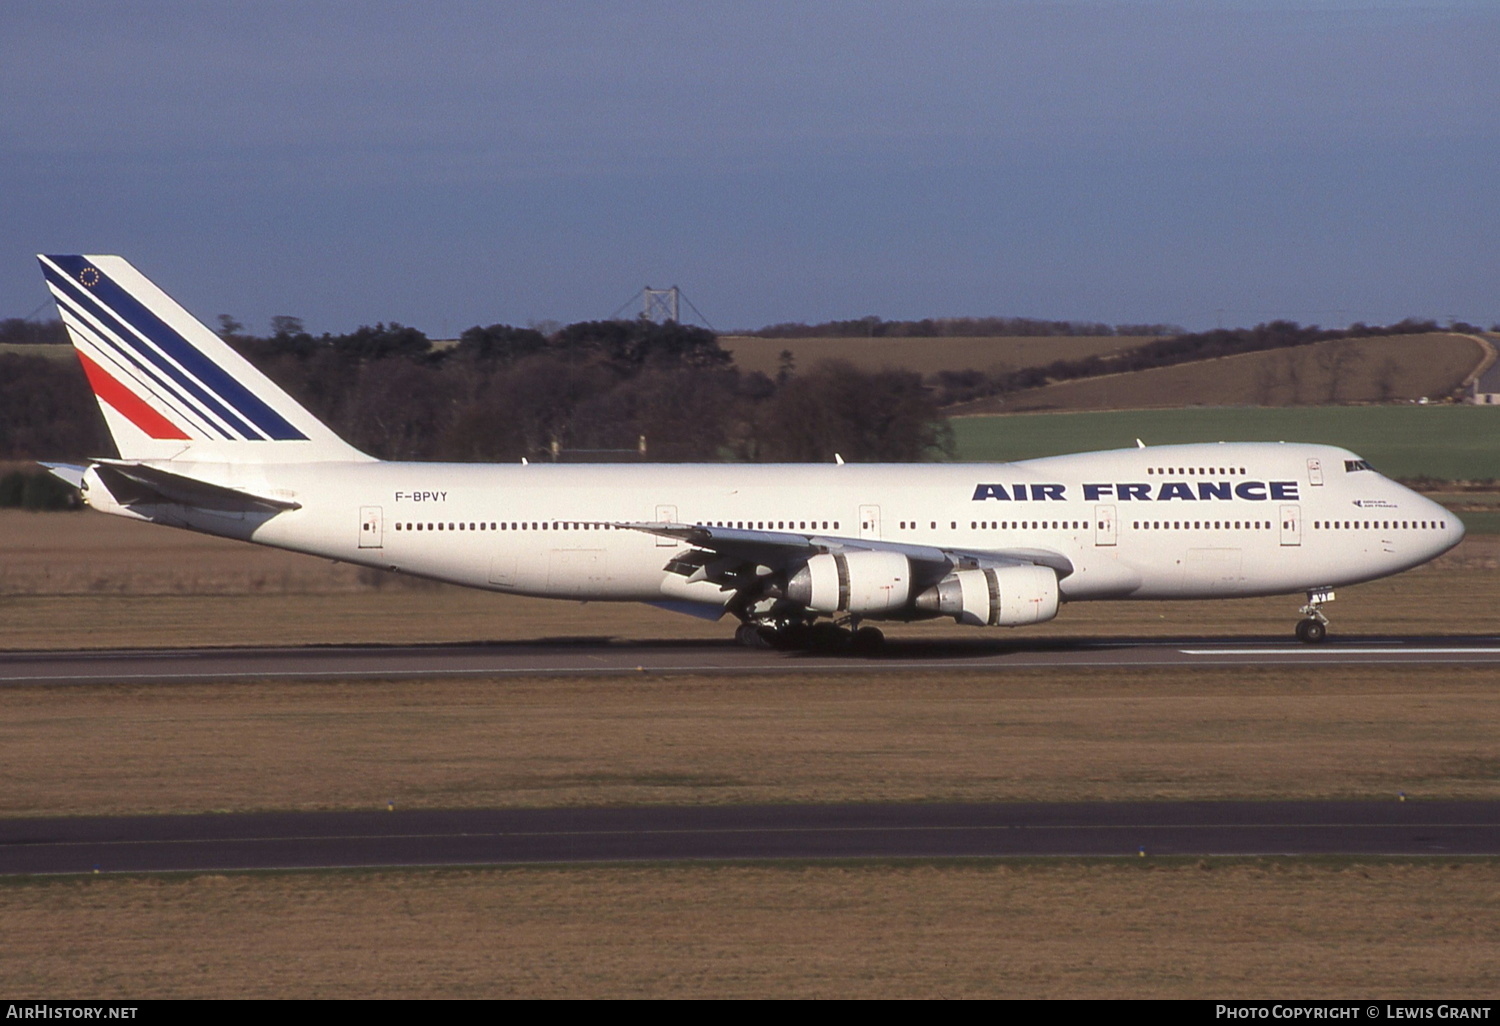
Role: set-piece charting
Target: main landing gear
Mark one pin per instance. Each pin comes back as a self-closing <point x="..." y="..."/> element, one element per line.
<point x="821" y="636"/>
<point x="1314" y="628"/>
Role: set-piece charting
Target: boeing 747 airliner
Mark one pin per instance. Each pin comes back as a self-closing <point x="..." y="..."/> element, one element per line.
<point x="799" y="554"/>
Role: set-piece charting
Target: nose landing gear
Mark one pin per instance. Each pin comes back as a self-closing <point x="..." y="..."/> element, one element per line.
<point x="1311" y="631"/>
<point x="1314" y="628"/>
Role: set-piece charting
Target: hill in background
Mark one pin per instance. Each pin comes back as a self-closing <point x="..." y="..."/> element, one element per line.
<point x="1389" y="368"/>
<point x="926" y="356"/>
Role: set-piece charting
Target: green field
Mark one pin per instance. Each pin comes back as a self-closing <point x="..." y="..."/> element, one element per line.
<point x="47" y="352"/>
<point x="1457" y="443"/>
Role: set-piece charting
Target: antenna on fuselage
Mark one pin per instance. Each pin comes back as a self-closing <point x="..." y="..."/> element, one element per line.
<point x="1139" y="444"/>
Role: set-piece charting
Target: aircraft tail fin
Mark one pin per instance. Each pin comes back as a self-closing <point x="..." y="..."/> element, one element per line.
<point x="171" y="389"/>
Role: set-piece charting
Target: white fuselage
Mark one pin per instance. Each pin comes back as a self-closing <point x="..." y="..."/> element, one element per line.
<point x="1181" y="521"/>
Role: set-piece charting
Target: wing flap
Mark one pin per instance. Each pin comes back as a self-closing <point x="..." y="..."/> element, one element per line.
<point x="779" y="549"/>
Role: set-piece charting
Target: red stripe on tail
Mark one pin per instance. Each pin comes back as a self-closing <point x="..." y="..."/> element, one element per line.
<point x="127" y="402"/>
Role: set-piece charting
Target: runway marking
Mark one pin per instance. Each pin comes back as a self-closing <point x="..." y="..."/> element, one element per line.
<point x="366" y="663"/>
<point x="1311" y="650"/>
<point x="779" y="667"/>
<point x="1001" y="660"/>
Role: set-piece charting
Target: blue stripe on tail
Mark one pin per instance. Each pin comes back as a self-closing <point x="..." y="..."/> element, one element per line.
<point x="246" y="403"/>
<point x="126" y="352"/>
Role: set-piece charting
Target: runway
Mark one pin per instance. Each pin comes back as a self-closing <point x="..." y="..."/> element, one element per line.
<point x="312" y="840"/>
<point x="592" y="655"/>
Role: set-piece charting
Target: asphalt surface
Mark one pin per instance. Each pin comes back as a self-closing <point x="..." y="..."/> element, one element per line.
<point x="578" y="656"/>
<point x="307" y="840"/>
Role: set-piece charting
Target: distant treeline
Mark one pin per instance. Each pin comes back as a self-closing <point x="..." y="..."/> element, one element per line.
<point x="36" y="490"/>
<point x="47" y="410"/>
<point x="957" y="327"/>
<point x="964" y="386"/>
<point x="503" y="393"/>
<point x="20" y="332"/>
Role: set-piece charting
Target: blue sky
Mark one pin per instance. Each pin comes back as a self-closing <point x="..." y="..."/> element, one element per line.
<point x="447" y="164"/>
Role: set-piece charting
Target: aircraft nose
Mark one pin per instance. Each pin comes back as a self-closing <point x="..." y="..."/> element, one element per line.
<point x="1452" y="531"/>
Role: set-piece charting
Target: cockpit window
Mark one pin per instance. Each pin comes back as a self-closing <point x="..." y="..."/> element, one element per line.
<point x="1350" y="466"/>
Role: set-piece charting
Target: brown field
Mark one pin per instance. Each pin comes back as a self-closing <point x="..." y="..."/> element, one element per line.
<point x="1269" y="928"/>
<point x="1178" y="929"/>
<point x="1342" y="371"/>
<point x="924" y="355"/>
<point x="919" y="736"/>
<point x="89" y="554"/>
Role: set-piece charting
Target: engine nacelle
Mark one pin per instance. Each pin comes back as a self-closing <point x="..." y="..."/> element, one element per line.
<point x="852" y="582"/>
<point x="1011" y="596"/>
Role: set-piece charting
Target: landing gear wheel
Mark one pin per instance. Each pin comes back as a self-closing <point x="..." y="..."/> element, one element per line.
<point x="753" y="635"/>
<point x="868" y="641"/>
<point x="827" y="637"/>
<point x="1314" y="629"/>
<point x="792" y="637"/>
<point x="1311" y="631"/>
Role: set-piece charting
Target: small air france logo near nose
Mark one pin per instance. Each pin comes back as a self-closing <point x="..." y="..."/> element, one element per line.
<point x="89" y="277"/>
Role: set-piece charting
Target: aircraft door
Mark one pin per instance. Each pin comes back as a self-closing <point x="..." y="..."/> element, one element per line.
<point x="1104" y="525"/>
<point x="666" y="515"/>
<point x="869" y="522"/>
<point x="1291" y="525"/>
<point x="1314" y="471"/>
<point x="371" y="533"/>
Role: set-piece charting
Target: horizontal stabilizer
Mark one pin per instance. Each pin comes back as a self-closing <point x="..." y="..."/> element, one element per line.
<point x="136" y="483"/>
<point x="72" y="473"/>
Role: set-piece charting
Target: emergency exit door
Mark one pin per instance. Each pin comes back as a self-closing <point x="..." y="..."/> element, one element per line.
<point x="1291" y="525"/>
<point x="370" y="528"/>
<point x="1104" y="525"/>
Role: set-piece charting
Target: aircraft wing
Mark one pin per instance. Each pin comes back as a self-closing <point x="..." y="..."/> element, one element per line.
<point x="735" y="548"/>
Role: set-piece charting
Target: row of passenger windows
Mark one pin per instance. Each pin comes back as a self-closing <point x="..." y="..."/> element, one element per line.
<point x="911" y="525"/>
<point x="555" y="525"/>
<point x="1005" y="525"/>
<point x="570" y="525"/>
<point x="1193" y="471"/>
<point x="774" y="525"/>
<point x="1201" y="525"/>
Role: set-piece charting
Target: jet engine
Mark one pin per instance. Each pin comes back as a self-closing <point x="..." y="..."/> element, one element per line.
<point x="872" y="583"/>
<point x="1011" y="596"/>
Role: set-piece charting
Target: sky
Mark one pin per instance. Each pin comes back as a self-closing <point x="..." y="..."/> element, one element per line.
<point x="447" y="164"/>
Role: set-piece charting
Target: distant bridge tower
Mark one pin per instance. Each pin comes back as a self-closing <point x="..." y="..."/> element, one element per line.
<point x="661" y="305"/>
